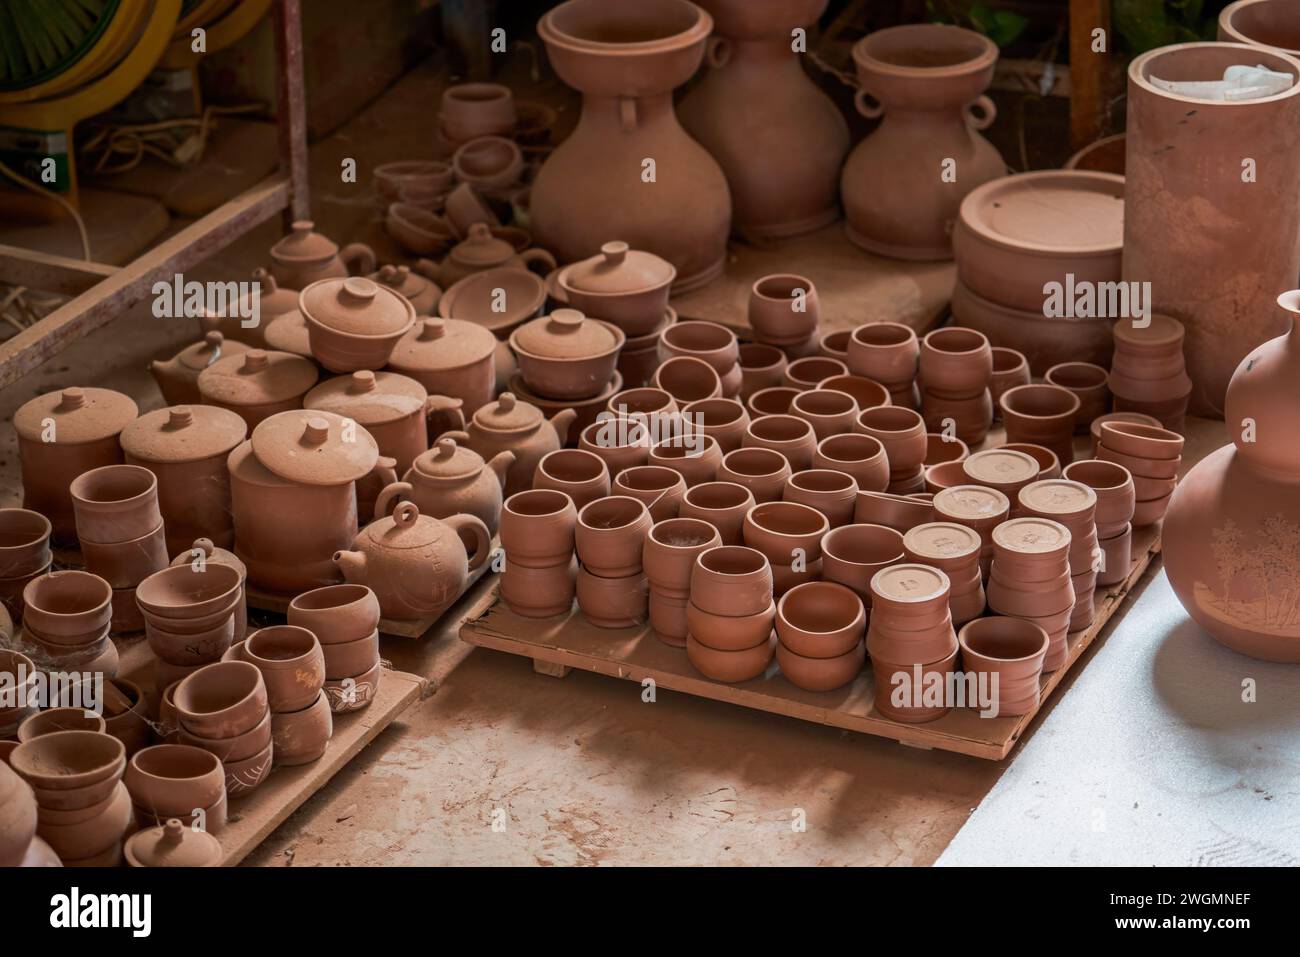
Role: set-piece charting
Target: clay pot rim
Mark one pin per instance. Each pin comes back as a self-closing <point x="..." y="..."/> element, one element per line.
<point x="84" y="744"/>
<point x="885" y="398"/>
<point x="695" y="407"/>
<point x="812" y="588"/>
<point x="308" y="600"/>
<point x="44" y="716"/>
<point x="681" y="443"/>
<point x="933" y="341"/>
<point x="703" y="326"/>
<point x="1234" y="35"/>
<point x="745" y="497"/>
<point x="1016" y="393"/>
<point x="600" y="424"/>
<point x="195" y="609"/>
<point x="562" y="500"/>
<point x="964" y="635"/>
<point x="1139" y="65"/>
<point x="596" y="470"/>
<point x="29" y="516"/>
<point x="145" y="755"/>
<point x="671" y="478"/>
<point x="876" y="532"/>
<point x="1094" y="427"/>
<point x="696" y="33"/>
<point x="799" y="364"/>
<point x="824" y="342"/>
<point x="818" y="393"/>
<point x="1078" y="365"/>
<point x="908" y="335"/>
<point x="696" y="365"/>
<point x="983" y="60"/>
<point x="665" y="408"/>
<point x="1095" y="465"/>
<point x="796" y="508"/>
<point x="787" y="279"/>
<point x="779" y="362"/>
<point x="894" y="412"/>
<point x="1000" y="352"/>
<point x="256" y="690"/>
<point x="612" y="502"/>
<point x="849" y="483"/>
<point x="30" y="589"/>
<point x="937" y="438"/>
<point x="1034" y="451"/>
<point x="660" y="527"/>
<point x="1148" y="436"/>
<point x="297" y="632"/>
<point x="763" y="422"/>
<point x="856" y="438"/>
<point x="752" y="452"/>
<point x="768" y="391"/>
<point x="940" y="479"/>
<point x="756" y="559"/>
<point x="78" y="487"/>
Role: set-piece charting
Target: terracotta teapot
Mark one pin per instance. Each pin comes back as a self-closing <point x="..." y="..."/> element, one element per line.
<point x="178" y="377"/>
<point x="415" y="564"/>
<point x="448" y="480"/>
<point x="304" y="256"/>
<point x="422" y="293"/>
<point x="510" y="424"/>
<point x="273" y="301"/>
<point x="481" y="250"/>
<point x="1233" y="522"/>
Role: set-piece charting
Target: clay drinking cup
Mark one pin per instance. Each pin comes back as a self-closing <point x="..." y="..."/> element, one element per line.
<point x="835" y="345"/>
<point x="79" y="766"/>
<point x="612" y="602"/>
<point x="687" y="379"/>
<point x="174" y="780"/>
<point x="222" y="700"/>
<point x="581" y="475"/>
<point x="722" y="504"/>
<point x="1011" y="648"/>
<point x="852" y="554"/>
<point x="695" y="458"/>
<point x="730" y="666"/>
<point x="1094" y="430"/>
<point x="351" y="658"/>
<point x="889" y="353"/>
<point x="661" y="489"/>
<point x="955" y="363"/>
<point x="831" y="492"/>
<point x="537" y="528"/>
<point x="763" y="471"/>
<point x="786" y="532"/>
<point x="1090" y="383"/>
<point x="190" y="591"/>
<point x="620" y="443"/>
<point x="233" y="748"/>
<point x="860" y="456"/>
<point x="789" y="435"/>
<point x="611" y="535"/>
<point x="827" y="411"/>
<point x="867" y="393"/>
<point x="940" y="448"/>
<point x="761" y="367"/>
<point x="291" y="662"/>
<point x="804" y="374"/>
<point x="1043" y="415"/>
<point x="820" y="619"/>
<point x="542" y="592"/>
<point x="901" y="431"/>
<point x="732" y="581"/>
<point x="59" y="719"/>
<point x="724" y="420"/>
<point x="336" y="613"/>
<point x="784" y="309"/>
<point x="115" y="503"/>
<point x="1116" y="496"/>
<point x="670" y="550"/>
<point x="1141" y="441"/>
<point x="300" y="737"/>
<point x="67" y="608"/>
<point x="24" y="542"/>
<point x="708" y="341"/>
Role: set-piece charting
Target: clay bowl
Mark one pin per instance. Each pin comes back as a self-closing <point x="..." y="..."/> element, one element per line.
<point x="537" y="528"/>
<point x="1138" y="467"/>
<point x="670" y="550"/>
<point x="723" y="420"/>
<point x="123" y="564"/>
<point x="222" y="700"/>
<point x="612" y="602"/>
<point x="732" y="581"/>
<point x="565" y="376"/>
<point x="729" y="632"/>
<point x="853" y="553"/>
<point x="24" y="542"/>
<point x="653" y="408"/>
<point x="860" y="456"/>
<point x="188" y="591"/>
<point x="867" y="393"/>
<point x="827" y="411"/>
<point x="336" y="613"/>
<point x="300" y="737"/>
<point x="661" y="489"/>
<point x="804" y="374"/>
<point x="941" y="448"/>
<point x="887" y="352"/>
<point x="421" y="176"/>
<point x="1141" y="441"/>
<point x="1151" y="489"/>
<point x="488" y="162"/>
<point x="1011" y="648"/>
<point x="831" y="492"/>
<point x="901" y="431"/>
<point x="687" y="379"/>
<point x="955" y="362"/>
<point x="820" y="619"/>
<point x="789" y="435"/>
<point x="722" y="505"/>
<point x="418" y="230"/>
<point x="611" y="533"/>
<point x="68" y="761"/>
<point x="1043" y="415"/>
<point x="1090" y="383"/>
<point x="730" y="666"/>
<point x="239" y="747"/>
<point x="478" y="297"/>
<point x="1049" y="466"/>
<point x="785" y="531"/>
<point x="763" y="471"/>
<point x="708" y="341"/>
<point x="96" y="841"/>
<point x="244" y="776"/>
<point x="783" y="309"/>
<point x="190" y="649"/>
<point x="291" y="662"/>
<point x="771" y="401"/>
<point x="1116" y="494"/>
<point x="835" y="345"/>
<point x="619" y="443"/>
<point x="65" y="607"/>
<point x="761" y="367"/>
<point x="539" y="592"/>
<point x="115" y="503"/>
<point x="350" y="658"/>
<point x="898" y="512"/>
<point x="352" y="694"/>
<point x="59" y="719"/>
<point x="580" y="474"/>
<point x="1095" y="428"/>
<point x="944" y="475"/>
<point x="820" y="674"/>
<point x="209" y="625"/>
<point x="1010" y="369"/>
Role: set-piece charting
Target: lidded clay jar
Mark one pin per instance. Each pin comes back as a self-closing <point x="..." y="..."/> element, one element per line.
<point x="186" y="446"/>
<point x="449" y="480"/>
<point x="178" y="376"/>
<point x="566" y="355"/>
<point x="510" y="424"/>
<point x="354" y="323"/>
<point x="423" y="294"/>
<point x="305" y="256"/>
<point x="392" y="407"/>
<point x="273" y="300"/>
<point x="173" y="845"/>
<point x="257" y="384"/>
<point x="449" y="357"/>
<point x="62" y="434"/>
<point x="628" y="287"/>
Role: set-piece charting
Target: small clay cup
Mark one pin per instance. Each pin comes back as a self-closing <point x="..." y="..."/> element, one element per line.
<point x="902" y="676"/>
<point x="174" y="780"/>
<point x="731" y="581"/>
<point x="1141" y="468"/>
<point x="71" y="764"/>
<point x="65" y="608"/>
<point x="245" y="776"/>
<point x="619" y="447"/>
<point x="687" y="379"/>
<point x="831" y="492"/>
<point x="901" y="431"/>
<point x="784" y="531"/>
<point x="239" y="747"/>
<point x="115" y="503"/>
<point x="729" y="632"/>
<point x="59" y="719"/>
<point x="189" y="592"/>
<point x="955" y="363"/>
<point x="539" y="592"/>
<point x="191" y="649"/>
<point x="126" y="564"/>
<point x="291" y="662"/>
<point x="612" y="602"/>
<point x="783" y="309"/>
<point x="1010" y="369"/>
<point x="661" y="489"/>
<point x="611" y="535"/>
<point x="827" y="411"/>
<point x="730" y="666"/>
<point x="940" y="448"/>
<point x="351" y="658"/>
<point x="944" y="475"/>
<point x="708" y="341"/>
<point x="1042" y="415"/>
<point x="538" y="528"/>
<point x="861" y="456"/>
<point x="581" y="475"/>
<point x="889" y="353"/>
<point x="301" y="737"/>
<point x="1141" y="441"/>
<point x="761" y="367"/>
<point x="820" y="620"/>
<point x="1049" y="466"/>
<point x="722" y="504"/>
<point x="670" y="550"/>
<point x="24" y="542"/>
<point x="654" y="408"/>
<point x="1094" y="430"/>
<point x="222" y="700"/>
<point x="835" y="345"/>
<point x="771" y="401"/>
<point x="761" y="470"/>
<point x="723" y="420"/>
<point x="852" y="554"/>
<point x="867" y="393"/>
<point x="820" y="674"/>
<point x="1090" y="383"/>
<point x="789" y="435"/>
<point x="1011" y="648"/>
<point x="899" y="512"/>
<point x="695" y="458"/>
<point x="336" y="613"/>
<point x="1117" y="557"/>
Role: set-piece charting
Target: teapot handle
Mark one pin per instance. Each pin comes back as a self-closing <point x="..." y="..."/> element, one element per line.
<point x="362" y="255"/>
<point x="430" y="410"/>
<point x="868" y="105"/>
<point x="385" y="470"/>
<point x="459" y="436"/>
<point x="537" y="255"/>
<point x="391" y="492"/>
<point x="987" y="113"/>
<point x="717" y="52"/>
<point x="474" y="526"/>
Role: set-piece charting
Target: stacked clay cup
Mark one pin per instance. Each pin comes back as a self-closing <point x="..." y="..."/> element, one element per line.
<point x="820" y="627"/>
<point x="888" y="353"/>
<point x="1147" y="371"/>
<point x="954" y="549"/>
<point x="191" y="613"/>
<point x="762" y="367"/>
<point x="120" y="528"/>
<point x="18" y="677"/>
<point x="1031" y="579"/>
<point x="610" y="539"/>
<point x="902" y="433"/>
<point x="910" y="639"/>
<point x="668" y="558"/>
<point x="1012" y="651"/>
<point x="784" y="312"/>
<point x="1088" y="381"/>
<point x="710" y="342"/>
<point x="1042" y="414"/>
<point x="223" y="709"/>
<point x="1074" y="505"/>
<point x="540" y="575"/>
<point x="978" y="508"/>
<point x="731" y="613"/>
<point x="24" y="554"/>
<point x="789" y="535"/>
<point x="66" y="623"/>
<point x="852" y="554"/>
<point x="956" y="371"/>
<point x="177" y="781"/>
<point x="1007" y="470"/>
<point x="723" y="505"/>
<point x="1152" y="456"/>
<point x="1116" y="502"/>
<point x="344" y="622"/>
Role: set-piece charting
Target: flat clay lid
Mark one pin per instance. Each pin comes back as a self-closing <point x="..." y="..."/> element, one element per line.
<point x="619" y="270"/>
<point x="304" y="244"/>
<point x="287" y="332"/>
<point x="371" y="398"/>
<point x="565" y="334"/>
<point x="940" y="540"/>
<point x="971" y="502"/>
<point x="1157" y="330"/>
<point x="356" y="307"/>
<point x="79" y="415"/>
<point x="909" y="584"/>
<point x="1059" y="497"/>
<point x="401" y="279"/>
<point x="173" y="845"/>
<point x="1001" y="466"/>
<point x="313" y="447"/>
<point x="508" y="414"/>
<point x="213" y="346"/>
<point x="438" y="344"/>
<point x="183" y="433"/>
<point x="211" y="553"/>
<point x="257" y="376"/>
<point x="447" y="460"/>
<point x="1051" y="212"/>
<point x="481" y="248"/>
<point x="1038" y="538"/>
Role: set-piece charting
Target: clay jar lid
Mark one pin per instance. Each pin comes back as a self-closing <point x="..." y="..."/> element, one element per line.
<point x="183" y="433"/>
<point x="1066" y="501"/>
<point x="971" y="502"/>
<point x="400" y="279"/>
<point x="480" y="249"/>
<point x="356" y="307"/>
<point x="314" y="447"/>
<point x="172" y="845"/>
<point x="508" y="414"/>
<point x="945" y="542"/>
<point x="213" y="554"/>
<point x="80" y="415"/>
<point x="1162" y="333"/>
<point x="565" y="334"/>
<point x="439" y="344"/>
<point x="1037" y="540"/>
<point x="447" y="460"/>
<point x="304" y="244"/>
<point x="1050" y="212"/>
<point x="213" y="346"/>
<point x="909" y="589"/>
<point x="1001" y="468"/>
<point x="371" y="398"/>
<point x="618" y="269"/>
<point x="257" y="377"/>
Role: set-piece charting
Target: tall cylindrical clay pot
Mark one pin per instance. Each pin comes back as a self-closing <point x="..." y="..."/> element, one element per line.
<point x="779" y="139"/>
<point x="1212" y="206"/>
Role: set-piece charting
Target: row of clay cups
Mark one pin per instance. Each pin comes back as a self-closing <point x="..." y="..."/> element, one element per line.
<point x="294" y="666"/>
<point x="24" y="555"/>
<point x="820" y="627"/>
<point x="730" y="614"/>
<point x="344" y="618"/>
<point x="789" y="535"/>
<point x="1116" y="501"/>
<point x="1030" y="578"/>
<point x="1152" y="457"/>
<point x="784" y="311"/>
<point x="1148" y="373"/>
<point x="955" y="550"/>
<point x="710" y="343"/>
<point x="1042" y="414"/>
<point x="911" y="628"/>
<point x="537" y="532"/>
<point x="190" y="614"/>
<point x="224" y="709"/>
<point x="955" y="371"/>
<point x="66" y="623"/>
<point x="977" y="507"/>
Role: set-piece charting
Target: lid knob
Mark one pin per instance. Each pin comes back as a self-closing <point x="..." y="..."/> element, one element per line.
<point x="303" y="226"/>
<point x="73" y="397"/>
<point x="362" y="381"/>
<point x="205" y="545"/>
<point x="173" y="832"/>
<point x="506" y="403"/>
<point x="566" y="320"/>
<point x="212" y="342"/>
<point x="255" y="360"/>
<point x="479" y="233"/>
<point x="316" y="431"/>
<point x="446" y="449"/>
<point x="389" y="275"/>
<point x="406" y="515"/>
<point x="614" y="252"/>
<point x="180" y="417"/>
<point x="432" y="329"/>
<point x="356" y="291"/>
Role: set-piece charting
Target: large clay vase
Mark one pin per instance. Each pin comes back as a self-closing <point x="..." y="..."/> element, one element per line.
<point x="626" y="58"/>
<point x="780" y="140"/>
<point x="927" y="82"/>
<point x="1232" y="532"/>
<point x="1215" y="236"/>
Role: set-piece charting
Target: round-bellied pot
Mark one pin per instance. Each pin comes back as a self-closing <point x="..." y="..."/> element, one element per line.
<point x="336" y="613"/>
<point x="539" y="592"/>
<point x="695" y="458"/>
<point x="654" y="408"/>
<point x="620" y="443"/>
<point x="820" y="674"/>
<point x="789" y="435"/>
<point x="72" y="763"/>
<point x="581" y="475"/>
<point x="291" y="662"/>
<point x="687" y="379"/>
<point x="1043" y="415"/>
<point x="1113" y="485"/>
<point x="66" y="607"/>
<point x="831" y="492"/>
<point x="835" y="345"/>
<point x="174" y="780"/>
<point x="771" y="401"/>
<point x="24" y="542"/>
<point x="820" y="620"/>
<point x="804" y="374"/>
<point x="722" y="504"/>
<point x="955" y="363"/>
<point x="731" y="581"/>
<point x="611" y="534"/>
<point x="899" y="512"/>
<point x="852" y="554"/>
<point x="300" y="737"/>
<point x="612" y="602"/>
<point x="867" y="393"/>
<point x="860" y="456"/>
<point x="783" y="310"/>
<point x="351" y="658"/>
<point x="888" y="353"/>
<point x="352" y="694"/>
<point x="901" y="431"/>
<point x="941" y="448"/>
<point x="827" y="411"/>
<point x="660" y="489"/>
<point x="786" y="532"/>
<point x="670" y="550"/>
<point x="1013" y="649"/>
<point x="762" y="366"/>
<point x="723" y="420"/>
<point x="730" y="666"/>
<point x="222" y="700"/>
<point x="538" y="528"/>
<point x="761" y="470"/>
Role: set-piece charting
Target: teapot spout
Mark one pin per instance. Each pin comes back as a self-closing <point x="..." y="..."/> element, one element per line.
<point x="353" y="566"/>
<point x="500" y="465"/>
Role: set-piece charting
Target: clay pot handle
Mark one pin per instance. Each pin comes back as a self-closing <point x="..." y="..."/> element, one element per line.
<point x="428" y="269"/>
<point x="362" y="255"/>
<point x="627" y="113"/>
<point x="392" y="492"/>
<point x="459" y="436"/>
<point x="537" y="256"/>
<point x="407" y="514"/>
<point x="460" y="524"/>
<point x="430" y="409"/>
<point x="385" y="470"/>
<point x="868" y="105"/>
<point x="987" y="113"/>
<point x="717" y="52"/>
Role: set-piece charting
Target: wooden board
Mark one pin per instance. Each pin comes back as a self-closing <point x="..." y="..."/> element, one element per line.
<point x="120" y="227"/>
<point x="853" y="286"/>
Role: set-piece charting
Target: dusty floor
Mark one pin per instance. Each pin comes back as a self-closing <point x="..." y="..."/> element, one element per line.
<point x="572" y="771"/>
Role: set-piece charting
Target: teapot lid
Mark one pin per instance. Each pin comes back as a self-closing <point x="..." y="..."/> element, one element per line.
<point x="256" y="377"/>
<point x="438" y="344"/>
<point x="356" y="306"/>
<point x="371" y="398"/>
<point x="287" y="332"/>
<point x="273" y="299"/>
<point x="618" y="269"/>
<point x="401" y="279"/>
<point x="315" y="447"/>
<point x="480" y="248"/>
<point x="213" y="346"/>
<point x="447" y="460"/>
<point x="566" y="334"/>
<point x="405" y="528"/>
<point x="508" y="414"/>
<point x="211" y="553"/>
<point x="183" y="433"/>
<point x="78" y="415"/>
<point x="304" y="244"/>
<point x="173" y="845"/>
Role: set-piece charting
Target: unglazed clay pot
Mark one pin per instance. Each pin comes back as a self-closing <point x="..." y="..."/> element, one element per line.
<point x="788" y="534"/>
<point x="1006" y="470"/>
<point x="660" y="489"/>
<point x="1043" y="415"/>
<point x="852" y="554"/>
<point x="910" y="621"/>
<point x="62" y="434"/>
<point x="336" y="614"/>
<point x="59" y="719"/>
<point x="581" y="475"/>
<point x="687" y="379"/>
<point x="624" y="286"/>
<point x="775" y="400"/>
<point x="1089" y="383"/>
<point x="24" y="542"/>
<point x="412" y="178"/>
<point x="419" y="231"/>
<point x="762" y="471"/>
<point x="709" y="342"/>
<point x="1238" y="505"/>
<point x="788" y="435"/>
<point x="695" y="458"/>
<point x="835" y="345"/>
<point x="612" y="602"/>
<point x="301" y="737"/>
<point x="305" y="256"/>
<point x="64" y="607"/>
<point x="888" y="353"/>
<point x="761" y="367"/>
<point x="928" y="82"/>
<point x="393" y="408"/>
<point x="222" y="700"/>
<point x="203" y="551"/>
<point x="732" y="581"/>
<point x="859" y="456"/>
<point x="833" y="493"/>
<point x="722" y="504"/>
<point x="724" y="420"/>
<point x="354" y="323"/>
<point x="867" y="393"/>
<point x="620" y="443"/>
<point x="944" y="449"/>
<point x="470" y="110"/>
<point x="901" y="431"/>
<point x="730" y="666"/>
<point x="566" y="355"/>
<point x="489" y="163"/>
<point x="1148" y="374"/>
<point x="178" y="376"/>
<point x="511" y="425"/>
<point x="805" y="372"/>
<point x="828" y="412"/>
<point x="449" y="357"/>
<point x="820" y="620"/>
<point x="258" y="384"/>
<point x="17" y="817"/>
<point x="291" y="662"/>
<point x="782" y="163"/>
<point x="537" y="528"/>
<point x="784" y="310"/>
<point x="610" y="536"/>
<point x="668" y="558"/>
<point x="115" y="503"/>
<point x="1011" y="648"/>
<point x="540" y="592"/>
<point x="1113" y="486"/>
<point x="626" y="63"/>
<point x="955" y="363"/>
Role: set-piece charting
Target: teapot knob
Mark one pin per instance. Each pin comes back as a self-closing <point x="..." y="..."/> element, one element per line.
<point x="406" y="514"/>
<point x="180" y="417"/>
<point x="73" y="397"/>
<point x="614" y="252"/>
<point x="316" y="431"/>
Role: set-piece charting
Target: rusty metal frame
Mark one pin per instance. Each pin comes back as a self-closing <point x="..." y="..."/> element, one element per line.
<point x="102" y="292"/>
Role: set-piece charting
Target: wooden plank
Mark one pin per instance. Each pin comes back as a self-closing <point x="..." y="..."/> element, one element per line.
<point x="131" y="284"/>
<point x="291" y="108"/>
<point x="853" y="286"/>
<point x="1089" y="71"/>
<point x="50" y="273"/>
